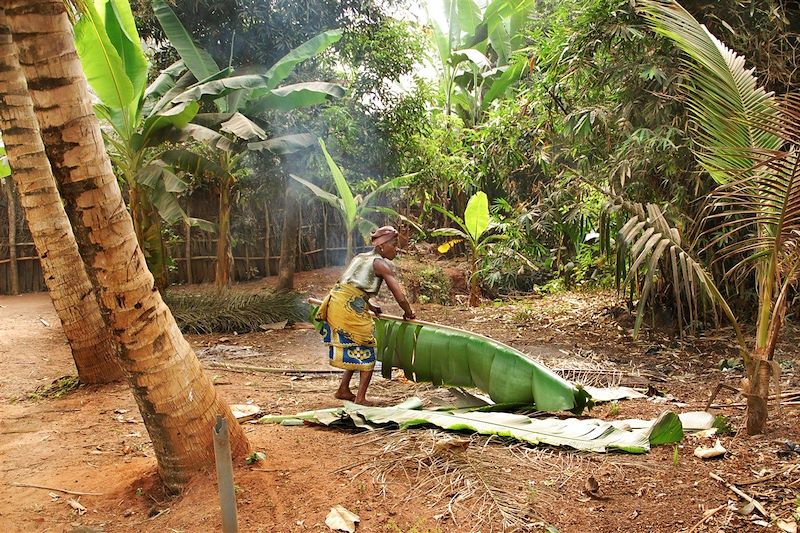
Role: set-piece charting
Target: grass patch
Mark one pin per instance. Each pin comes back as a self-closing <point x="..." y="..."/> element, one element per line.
<point x="56" y="389"/>
<point x="234" y="311"/>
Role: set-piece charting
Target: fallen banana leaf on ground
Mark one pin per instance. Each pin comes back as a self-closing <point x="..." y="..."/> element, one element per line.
<point x="449" y="356"/>
<point x="588" y="435"/>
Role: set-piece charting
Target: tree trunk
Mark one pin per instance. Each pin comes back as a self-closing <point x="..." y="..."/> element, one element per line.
<point x="187" y="246"/>
<point x="222" y="277"/>
<point x="11" y="211"/>
<point x="75" y="300"/>
<point x="349" y="252"/>
<point x="474" y="289"/>
<point x="267" y="269"/>
<point x="291" y="223"/>
<point x="177" y="401"/>
<point x="756" y="389"/>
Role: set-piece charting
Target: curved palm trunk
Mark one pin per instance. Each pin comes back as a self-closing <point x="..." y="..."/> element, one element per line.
<point x="177" y="400"/>
<point x="93" y="346"/>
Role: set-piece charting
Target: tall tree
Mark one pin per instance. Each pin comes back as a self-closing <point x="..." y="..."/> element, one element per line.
<point x="177" y="401"/>
<point x="93" y="347"/>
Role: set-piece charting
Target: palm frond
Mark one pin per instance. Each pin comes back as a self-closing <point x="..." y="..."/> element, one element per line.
<point x="233" y="311"/>
<point x="725" y="95"/>
<point x="657" y="252"/>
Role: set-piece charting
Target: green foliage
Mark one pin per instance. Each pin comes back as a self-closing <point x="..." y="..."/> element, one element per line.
<point x="466" y="36"/>
<point x="580" y="434"/>
<point x="430" y="283"/>
<point x="255" y="457"/>
<point x="233" y="311"/>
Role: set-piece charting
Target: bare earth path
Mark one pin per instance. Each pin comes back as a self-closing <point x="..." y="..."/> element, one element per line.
<point x="92" y="439"/>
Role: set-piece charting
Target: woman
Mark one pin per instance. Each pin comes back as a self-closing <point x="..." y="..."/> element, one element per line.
<point x="348" y="329"/>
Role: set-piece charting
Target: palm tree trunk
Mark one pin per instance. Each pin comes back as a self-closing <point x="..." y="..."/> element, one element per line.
<point x="75" y="300"/>
<point x="291" y="223"/>
<point x="758" y="368"/>
<point x="222" y="278"/>
<point x="176" y="398"/>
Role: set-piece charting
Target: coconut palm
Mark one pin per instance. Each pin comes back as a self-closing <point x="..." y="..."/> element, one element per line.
<point x="748" y="141"/>
<point x="176" y="398"/>
<point x="94" y="349"/>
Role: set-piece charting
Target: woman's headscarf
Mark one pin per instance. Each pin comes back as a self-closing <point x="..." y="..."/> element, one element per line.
<point x="383" y="235"/>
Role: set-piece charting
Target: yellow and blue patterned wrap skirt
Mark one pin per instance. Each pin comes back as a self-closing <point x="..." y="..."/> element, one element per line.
<point x="347" y="328"/>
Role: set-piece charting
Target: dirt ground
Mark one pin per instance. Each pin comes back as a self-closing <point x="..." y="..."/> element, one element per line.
<point x="92" y="439"/>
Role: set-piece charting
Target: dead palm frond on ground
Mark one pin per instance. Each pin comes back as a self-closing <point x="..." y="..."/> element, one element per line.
<point x="234" y="311"/>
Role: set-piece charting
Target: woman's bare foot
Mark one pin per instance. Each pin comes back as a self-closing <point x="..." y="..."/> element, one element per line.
<point x="344" y="395"/>
<point x="365" y="402"/>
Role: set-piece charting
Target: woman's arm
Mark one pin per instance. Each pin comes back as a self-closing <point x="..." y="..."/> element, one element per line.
<point x="383" y="270"/>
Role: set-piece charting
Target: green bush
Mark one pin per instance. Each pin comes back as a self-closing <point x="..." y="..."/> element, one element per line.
<point x="430" y="284"/>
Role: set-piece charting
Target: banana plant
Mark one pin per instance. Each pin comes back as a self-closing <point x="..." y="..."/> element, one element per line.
<point x="473" y="231"/>
<point x="354" y="210"/>
<point x="240" y="98"/>
<point x="750" y="144"/>
<point x="138" y="115"/>
<point x="465" y="36"/>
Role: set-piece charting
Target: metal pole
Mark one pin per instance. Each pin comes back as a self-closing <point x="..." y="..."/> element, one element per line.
<point x="227" y="493"/>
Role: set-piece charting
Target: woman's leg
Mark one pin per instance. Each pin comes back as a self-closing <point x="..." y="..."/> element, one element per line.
<point x="344" y="393"/>
<point x="364" y="378"/>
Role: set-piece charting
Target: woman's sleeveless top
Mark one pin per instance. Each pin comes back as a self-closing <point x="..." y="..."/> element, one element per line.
<point x="361" y="274"/>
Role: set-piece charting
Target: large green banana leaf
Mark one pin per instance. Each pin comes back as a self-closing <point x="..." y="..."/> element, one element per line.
<point x="449" y="356"/>
<point x="587" y="435"/>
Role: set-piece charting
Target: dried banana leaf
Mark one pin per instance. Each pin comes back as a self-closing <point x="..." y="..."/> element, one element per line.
<point x="587" y="435"/>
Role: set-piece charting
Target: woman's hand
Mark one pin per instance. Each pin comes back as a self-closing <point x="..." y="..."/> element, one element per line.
<point x="376" y="309"/>
<point x="409" y="315"/>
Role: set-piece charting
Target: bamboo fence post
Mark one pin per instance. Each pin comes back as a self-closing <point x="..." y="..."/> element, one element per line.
<point x="12" y="238"/>
<point x="267" y="269"/>
<point x="188" y="247"/>
<point x="324" y="235"/>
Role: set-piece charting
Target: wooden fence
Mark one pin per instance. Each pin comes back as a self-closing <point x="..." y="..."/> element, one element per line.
<point x="256" y="232"/>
